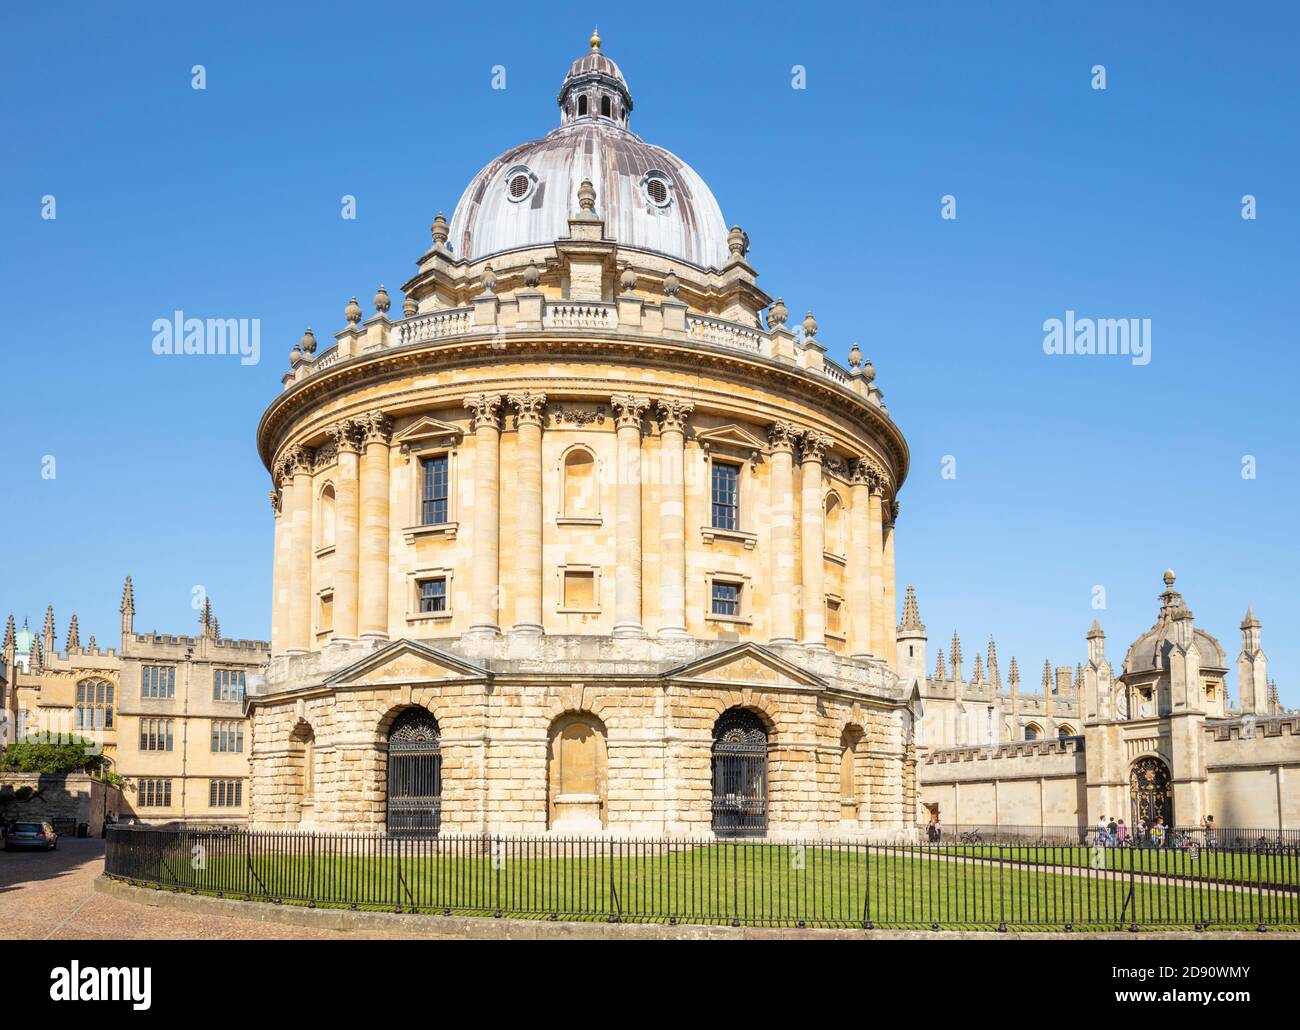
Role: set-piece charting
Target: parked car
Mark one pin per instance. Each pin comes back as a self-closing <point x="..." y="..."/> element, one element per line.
<point x="31" y="835"/>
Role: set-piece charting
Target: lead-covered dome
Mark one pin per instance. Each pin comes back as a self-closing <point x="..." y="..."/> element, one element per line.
<point x="648" y="198"/>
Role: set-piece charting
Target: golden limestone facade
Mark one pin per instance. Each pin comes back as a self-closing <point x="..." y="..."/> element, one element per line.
<point x="165" y="710"/>
<point x="587" y="540"/>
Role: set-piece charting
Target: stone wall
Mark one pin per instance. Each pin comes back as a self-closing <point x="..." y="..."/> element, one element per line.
<point x="59" y="799"/>
<point x="1029" y="783"/>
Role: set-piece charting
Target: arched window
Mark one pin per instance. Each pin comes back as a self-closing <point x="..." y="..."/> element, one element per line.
<point x="414" y="775"/>
<point x="1064" y="732"/>
<point x="834" y="524"/>
<point x="576" y="773"/>
<point x="582" y="106"/>
<point x="326" y="520"/>
<point x="739" y="774"/>
<point x="579" y="500"/>
<point x="850" y="744"/>
<point x="605" y="107"/>
<point x="94" y="705"/>
<point x="1033" y="732"/>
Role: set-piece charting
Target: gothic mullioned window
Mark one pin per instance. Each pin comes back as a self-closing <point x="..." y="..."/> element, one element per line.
<point x="228" y="685"/>
<point x="155" y="794"/>
<point x="158" y="681"/>
<point x="156" y="734"/>
<point x="94" y="705"/>
<point x="227" y="736"/>
<point x="225" y="793"/>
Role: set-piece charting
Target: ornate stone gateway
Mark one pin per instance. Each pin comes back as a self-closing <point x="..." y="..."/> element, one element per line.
<point x="739" y="774"/>
<point x="414" y="775"/>
<point x="1151" y="794"/>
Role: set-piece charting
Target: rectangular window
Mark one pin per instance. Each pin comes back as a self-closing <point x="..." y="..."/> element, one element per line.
<point x="225" y="793"/>
<point x="155" y="793"/>
<point x="433" y="490"/>
<point x="433" y="594"/>
<point x="156" y="734"/>
<point x="726" y="496"/>
<point x="158" y="681"/>
<point x="726" y="599"/>
<point x="228" y="685"/>
<point x="227" y="737"/>
<point x="579" y="589"/>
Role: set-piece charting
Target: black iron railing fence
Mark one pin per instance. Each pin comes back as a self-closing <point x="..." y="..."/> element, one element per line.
<point x="769" y="883"/>
<point x="1229" y="838"/>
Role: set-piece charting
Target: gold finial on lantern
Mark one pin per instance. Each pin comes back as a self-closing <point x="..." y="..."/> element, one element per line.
<point x="595" y="39"/>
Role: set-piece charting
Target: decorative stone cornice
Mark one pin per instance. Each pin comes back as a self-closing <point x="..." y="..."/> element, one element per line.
<point x="529" y="408"/>
<point x="376" y="427"/>
<point x="673" y="414"/>
<point x="483" y="408"/>
<point x="782" y="436"/>
<point x="628" y="409"/>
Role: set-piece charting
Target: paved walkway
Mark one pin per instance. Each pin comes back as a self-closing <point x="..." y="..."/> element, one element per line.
<point x="50" y="895"/>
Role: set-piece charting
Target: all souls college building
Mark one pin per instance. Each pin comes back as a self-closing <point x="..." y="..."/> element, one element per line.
<point x="589" y="539"/>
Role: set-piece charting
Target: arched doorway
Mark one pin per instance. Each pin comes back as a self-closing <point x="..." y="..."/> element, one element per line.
<point x="739" y="774"/>
<point x="414" y="775"/>
<point x="1151" y="792"/>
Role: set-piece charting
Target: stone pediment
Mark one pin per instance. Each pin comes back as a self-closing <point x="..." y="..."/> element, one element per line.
<point x="746" y="665"/>
<point x="426" y="431"/>
<point x="405" y="661"/>
<point x="730" y="438"/>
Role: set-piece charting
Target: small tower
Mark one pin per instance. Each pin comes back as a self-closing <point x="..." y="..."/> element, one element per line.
<point x="1013" y="677"/>
<point x="1096" y="701"/>
<point x="940" y="669"/>
<point x="956" y="657"/>
<point x="991" y="664"/>
<point x="1048" y="689"/>
<point x="73" y="643"/>
<point x="1252" y="668"/>
<point x="911" y="639"/>
<point x="127" y="609"/>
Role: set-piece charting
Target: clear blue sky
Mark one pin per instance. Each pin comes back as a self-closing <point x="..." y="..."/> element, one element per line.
<point x="1071" y="471"/>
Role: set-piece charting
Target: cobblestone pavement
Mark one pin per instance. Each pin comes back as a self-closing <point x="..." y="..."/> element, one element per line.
<point x="50" y="895"/>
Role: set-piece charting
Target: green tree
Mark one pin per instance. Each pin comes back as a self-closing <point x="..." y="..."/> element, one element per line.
<point x="52" y="755"/>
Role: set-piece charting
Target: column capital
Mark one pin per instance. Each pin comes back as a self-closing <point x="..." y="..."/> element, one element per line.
<point x="376" y="427"/>
<point x="782" y="436"/>
<point x="276" y="498"/>
<point x="812" y="445"/>
<point x="483" y="408"/>
<point x="892" y="508"/>
<point x="528" y="407"/>
<point x="296" y="459"/>
<point x="628" y="409"/>
<point x="673" y="413"/>
<point x="346" y="434"/>
<point x="869" y="471"/>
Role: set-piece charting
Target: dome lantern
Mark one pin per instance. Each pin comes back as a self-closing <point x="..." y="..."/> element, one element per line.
<point x="594" y="88"/>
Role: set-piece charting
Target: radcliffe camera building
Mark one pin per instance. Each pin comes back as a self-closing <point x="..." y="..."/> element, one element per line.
<point x="594" y="537"/>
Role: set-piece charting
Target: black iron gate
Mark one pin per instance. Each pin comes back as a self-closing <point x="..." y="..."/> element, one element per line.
<point x="414" y="775"/>
<point x="739" y="774"/>
<point x="1151" y="793"/>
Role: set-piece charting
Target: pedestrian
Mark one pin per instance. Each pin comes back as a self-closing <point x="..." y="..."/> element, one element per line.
<point x="1121" y="833"/>
<point x="1158" y="832"/>
<point x="1207" y="825"/>
<point x="938" y="829"/>
<point x="1103" y="834"/>
<point x="1112" y="830"/>
<point x="1142" y="833"/>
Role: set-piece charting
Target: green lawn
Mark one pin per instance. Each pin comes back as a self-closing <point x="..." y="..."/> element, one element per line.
<point x="767" y="884"/>
<point x="1228" y="866"/>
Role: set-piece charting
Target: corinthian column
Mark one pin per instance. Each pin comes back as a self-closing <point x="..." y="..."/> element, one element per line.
<point x="813" y="525"/>
<point x="859" y="564"/>
<point x="485" y="555"/>
<point x="347" y="521"/>
<point x="628" y="410"/>
<point x="298" y="461"/>
<point x="890" y="512"/>
<point x="280" y="574"/>
<point x="528" y="530"/>
<point x="672" y="517"/>
<point x="876" y="561"/>
<point x="373" y="546"/>
<point x="781" y="436"/>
